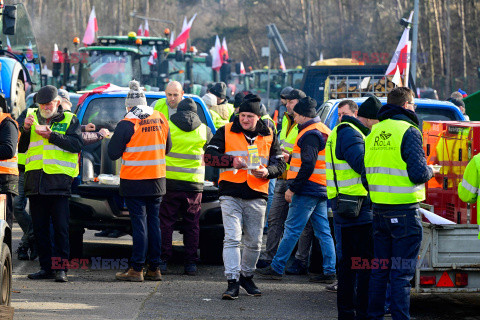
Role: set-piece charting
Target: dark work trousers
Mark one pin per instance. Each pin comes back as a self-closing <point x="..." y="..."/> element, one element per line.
<point x="397" y="235"/>
<point x="145" y="231"/>
<point x="188" y="205"/>
<point x="9" y="208"/>
<point x="22" y="216"/>
<point x="44" y="209"/>
<point x="352" y="294"/>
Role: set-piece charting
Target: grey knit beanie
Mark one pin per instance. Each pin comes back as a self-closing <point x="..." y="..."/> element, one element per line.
<point x="135" y="96"/>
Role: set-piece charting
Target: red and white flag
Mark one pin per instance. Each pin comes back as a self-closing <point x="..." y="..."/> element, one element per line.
<point x="153" y="57"/>
<point x="401" y="55"/>
<point x="92" y="27"/>
<point x="140" y="30"/>
<point x="9" y="45"/>
<point x="224" y="50"/>
<point x="57" y="56"/>
<point x="146" y="32"/>
<point x="105" y="88"/>
<point x="216" y="56"/>
<point x="242" y="68"/>
<point x="73" y="70"/>
<point x="182" y="38"/>
<point x="282" y="63"/>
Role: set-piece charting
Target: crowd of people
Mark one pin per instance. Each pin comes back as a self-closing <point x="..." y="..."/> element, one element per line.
<point x="369" y="171"/>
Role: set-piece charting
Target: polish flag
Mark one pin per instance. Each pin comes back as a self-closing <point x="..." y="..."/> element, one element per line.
<point x="182" y="38"/>
<point x="216" y="56"/>
<point x="242" y="68"/>
<point x="401" y="55"/>
<point x="105" y="88"/>
<point x="153" y="57"/>
<point x="73" y="70"/>
<point x="140" y="30"/>
<point x="57" y="56"/>
<point x="146" y="33"/>
<point x="224" y="50"/>
<point x="92" y="27"/>
<point x="282" y="63"/>
<point x="9" y="45"/>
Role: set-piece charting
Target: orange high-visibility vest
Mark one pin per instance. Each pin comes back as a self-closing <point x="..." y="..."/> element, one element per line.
<point x="237" y="145"/>
<point x="144" y="157"/>
<point x="9" y="166"/>
<point x="319" y="174"/>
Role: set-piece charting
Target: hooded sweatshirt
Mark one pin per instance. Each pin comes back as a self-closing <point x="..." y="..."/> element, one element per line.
<point x="117" y="145"/>
<point x="186" y="121"/>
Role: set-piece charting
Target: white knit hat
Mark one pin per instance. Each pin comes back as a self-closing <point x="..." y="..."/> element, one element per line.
<point x="135" y="96"/>
<point x="210" y="100"/>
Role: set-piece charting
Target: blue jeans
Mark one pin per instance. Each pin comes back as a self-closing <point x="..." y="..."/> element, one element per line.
<point x="397" y="236"/>
<point x="145" y="221"/>
<point x="301" y="209"/>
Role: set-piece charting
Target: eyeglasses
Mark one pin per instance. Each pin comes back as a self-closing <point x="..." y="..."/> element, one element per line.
<point x="413" y="104"/>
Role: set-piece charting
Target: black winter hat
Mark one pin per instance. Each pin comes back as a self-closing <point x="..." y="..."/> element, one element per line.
<point x="295" y="94"/>
<point x="187" y="104"/>
<point x="306" y="107"/>
<point x="46" y="94"/>
<point x="219" y="89"/>
<point x="251" y="103"/>
<point x="369" y="108"/>
<point x="239" y="97"/>
<point x="285" y="92"/>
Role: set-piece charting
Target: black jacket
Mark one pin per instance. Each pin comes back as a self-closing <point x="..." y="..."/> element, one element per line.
<point x="350" y="146"/>
<point x="215" y="156"/>
<point x="38" y="182"/>
<point x="411" y="150"/>
<point x="311" y="143"/>
<point x="117" y="145"/>
<point x="186" y="121"/>
<point x="8" y="148"/>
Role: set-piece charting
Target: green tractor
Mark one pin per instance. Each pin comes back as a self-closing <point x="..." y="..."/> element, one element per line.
<point x="119" y="59"/>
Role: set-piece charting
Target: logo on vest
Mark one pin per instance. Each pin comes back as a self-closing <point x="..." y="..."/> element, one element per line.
<point x="381" y="142"/>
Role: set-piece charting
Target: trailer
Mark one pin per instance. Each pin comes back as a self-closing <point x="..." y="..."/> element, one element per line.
<point x="449" y="259"/>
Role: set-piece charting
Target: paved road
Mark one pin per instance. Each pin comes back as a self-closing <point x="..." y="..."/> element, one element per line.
<point x="94" y="294"/>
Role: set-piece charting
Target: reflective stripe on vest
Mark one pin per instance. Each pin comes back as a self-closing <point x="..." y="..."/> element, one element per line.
<point x="162" y="107"/>
<point x="348" y="181"/>
<point x="237" y="145"/>
<point x="144" y="156"/>
<point x="9" y="166"/>
<point x="184" y="161"/>
<point x="387" y="174"/>
<point x="319" y="174"/>
<point x="288" y="135"/>
<point x="43" y="155"/>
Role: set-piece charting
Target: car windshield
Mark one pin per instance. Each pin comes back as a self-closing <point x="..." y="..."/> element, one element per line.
<point x="114" y="67"/>
<point x="108" y="111"/>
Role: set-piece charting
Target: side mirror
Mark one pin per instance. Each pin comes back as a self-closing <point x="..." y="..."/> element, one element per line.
<point x="9" y="20"/>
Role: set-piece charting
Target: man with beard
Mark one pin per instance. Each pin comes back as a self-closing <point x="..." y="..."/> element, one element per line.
<point x="52" y="140"/>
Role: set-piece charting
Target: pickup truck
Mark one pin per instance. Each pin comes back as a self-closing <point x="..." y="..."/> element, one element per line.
<point x="99" y="206"/>
<point x="427" y="109"/>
